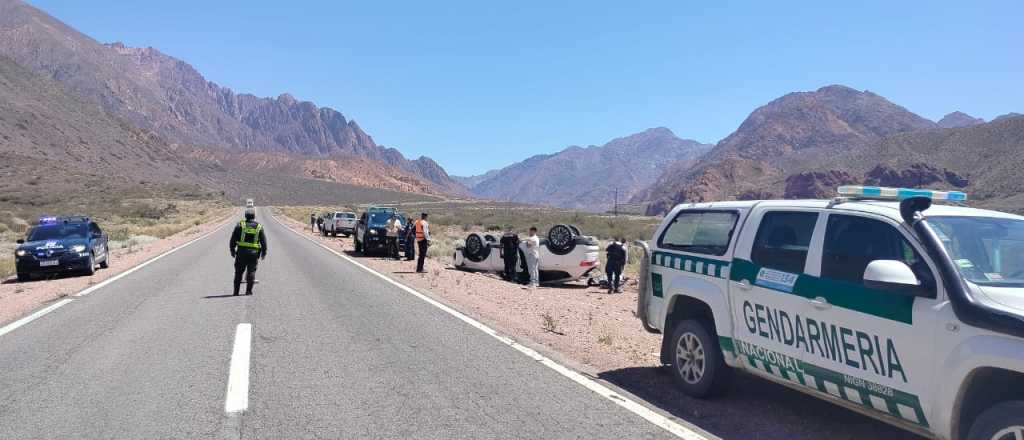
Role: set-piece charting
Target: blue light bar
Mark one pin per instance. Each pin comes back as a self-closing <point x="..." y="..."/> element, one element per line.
<point x="883" y="193"/>
<point x="47" y="220"/>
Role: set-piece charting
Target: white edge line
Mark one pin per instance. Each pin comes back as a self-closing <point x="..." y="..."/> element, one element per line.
<point x="14" y="325"/>
<point x="237" y="399"/>
<point x="39" y="313"/>
<point x="655" y="418"/>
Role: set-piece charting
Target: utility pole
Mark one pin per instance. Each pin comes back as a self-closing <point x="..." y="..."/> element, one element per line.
<point x="615" y="210"/>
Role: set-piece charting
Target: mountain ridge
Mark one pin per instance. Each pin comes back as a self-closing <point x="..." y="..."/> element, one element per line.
<point x="588" y="177"/>
<point x="169" y="97"/>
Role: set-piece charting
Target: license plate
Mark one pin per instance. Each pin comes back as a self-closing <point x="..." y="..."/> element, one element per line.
<point x="48" y="263"/>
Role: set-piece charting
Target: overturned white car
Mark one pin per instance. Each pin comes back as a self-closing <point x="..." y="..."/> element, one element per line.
<point x="565" y="255"/>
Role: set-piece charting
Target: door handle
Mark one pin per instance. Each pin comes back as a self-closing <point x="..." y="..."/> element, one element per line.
<point x="743" y="284"/>
<point x="820" y="303"/>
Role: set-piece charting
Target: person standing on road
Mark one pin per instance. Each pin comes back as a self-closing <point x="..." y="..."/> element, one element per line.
<point x="392" y="229"/>
<point x="616" y="261"/>
<point x="248" y="246"/>
<point x="422" y="241"/>
<point x="320" y="224"/>
<point x="312" y="222"/>
<point x="510" y="253"/>
<point x="532" y="251"/>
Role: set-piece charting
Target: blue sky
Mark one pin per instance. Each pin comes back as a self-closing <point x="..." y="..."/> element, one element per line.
<point x="478" y="85"/>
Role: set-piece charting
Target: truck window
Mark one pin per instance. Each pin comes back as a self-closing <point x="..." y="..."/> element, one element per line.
<point x="783" y="239"/>
<point x="702" y="232"/>
<point x="852" y="242"/>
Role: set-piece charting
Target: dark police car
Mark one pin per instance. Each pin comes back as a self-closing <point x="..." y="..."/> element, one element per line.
<point x="59" y="244"/>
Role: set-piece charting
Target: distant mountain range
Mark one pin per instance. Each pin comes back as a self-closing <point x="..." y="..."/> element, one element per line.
<point x="805" y="144"/>
<point x="168" y="97"/>
<point x="110" y="115"/>
<point x="588" y="178"/>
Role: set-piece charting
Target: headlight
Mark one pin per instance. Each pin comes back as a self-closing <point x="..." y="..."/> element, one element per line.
<point x="20" y="252"/>
<point x="373" y="232"/>
<point x="78" y="248"/>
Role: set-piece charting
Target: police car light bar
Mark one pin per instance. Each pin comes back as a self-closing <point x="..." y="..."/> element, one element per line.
<point x="883" y="193"/>
<point x="47" y="220"/>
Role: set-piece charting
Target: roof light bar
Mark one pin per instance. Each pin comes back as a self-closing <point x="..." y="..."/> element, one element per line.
<point x="47" y="220"/>
<point x="883" y="193"/>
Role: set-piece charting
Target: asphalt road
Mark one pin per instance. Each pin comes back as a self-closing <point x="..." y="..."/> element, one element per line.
<point x="335" y="353"/>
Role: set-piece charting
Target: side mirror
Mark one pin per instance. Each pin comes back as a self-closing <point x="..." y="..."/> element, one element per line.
<point x="892" y="276"/>
<point x="20" y="241"/>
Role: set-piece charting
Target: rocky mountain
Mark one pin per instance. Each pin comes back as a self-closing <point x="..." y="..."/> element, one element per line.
<point x="959" y="119"/>
<point x="471" y="181"/>
<point x="168" y="97"/>
<point x="780" y="139"/>
<point x="587" y="178"/>
<point x="1006" y="116"/>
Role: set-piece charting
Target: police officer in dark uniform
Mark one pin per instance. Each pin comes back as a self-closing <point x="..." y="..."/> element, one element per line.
<point x="510" y="254"/>
<point x="248" y="245"/>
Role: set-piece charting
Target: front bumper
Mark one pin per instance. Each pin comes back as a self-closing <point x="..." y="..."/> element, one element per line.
<point x="67" y="262"/>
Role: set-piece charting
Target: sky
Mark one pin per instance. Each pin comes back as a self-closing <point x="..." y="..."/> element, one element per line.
<point x="478" y="85"/>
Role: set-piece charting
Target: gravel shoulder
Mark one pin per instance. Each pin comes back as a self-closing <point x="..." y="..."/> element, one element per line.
<point x="598" y="335"/>
<point x="18" y="299"/>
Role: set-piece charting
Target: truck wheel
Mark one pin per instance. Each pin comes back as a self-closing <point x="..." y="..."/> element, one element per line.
<point x="697" y="364"/>
<point x="105" y="264"/>
<point x="1004" y="421"/>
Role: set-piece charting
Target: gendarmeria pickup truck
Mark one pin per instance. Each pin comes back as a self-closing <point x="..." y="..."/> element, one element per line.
<point x="877" y="300"/>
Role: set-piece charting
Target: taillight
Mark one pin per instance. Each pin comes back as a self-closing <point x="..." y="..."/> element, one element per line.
<point x="587" y="263"/>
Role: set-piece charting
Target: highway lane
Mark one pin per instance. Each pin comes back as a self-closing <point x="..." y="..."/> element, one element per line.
<point x="336" y="353"/>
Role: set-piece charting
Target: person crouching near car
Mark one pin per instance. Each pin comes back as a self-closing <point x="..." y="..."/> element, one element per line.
<point x="510" y="253"/>
<point x="616" y="262"/>
<point x="393" y="227"/>
<point x="531" y="248"/>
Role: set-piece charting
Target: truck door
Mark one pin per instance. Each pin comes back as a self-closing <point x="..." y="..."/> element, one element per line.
<point x="871" y="347"/>
<point x="771" y="258"/>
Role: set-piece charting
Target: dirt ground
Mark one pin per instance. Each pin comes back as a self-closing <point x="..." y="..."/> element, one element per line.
<point x="18" y="299"/>
<point x="598" y="335"/>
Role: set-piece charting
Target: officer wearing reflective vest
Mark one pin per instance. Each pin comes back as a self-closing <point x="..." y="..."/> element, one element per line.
<point x="248" y="246"/>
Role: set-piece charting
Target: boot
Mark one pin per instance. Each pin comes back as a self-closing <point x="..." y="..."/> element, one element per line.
<point x="236" y="289"/>
<point x="248" y="285"/>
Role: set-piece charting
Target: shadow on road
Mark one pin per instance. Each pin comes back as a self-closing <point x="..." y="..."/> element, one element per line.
<point x="226" y="295"/>
<point x="754" y="408"/>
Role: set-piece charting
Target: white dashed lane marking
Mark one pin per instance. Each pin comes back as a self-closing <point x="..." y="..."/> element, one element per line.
<point x="237" y="399"/>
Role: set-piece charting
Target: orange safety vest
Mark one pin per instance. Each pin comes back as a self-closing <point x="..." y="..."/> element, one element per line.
<point x="419" y="230"/>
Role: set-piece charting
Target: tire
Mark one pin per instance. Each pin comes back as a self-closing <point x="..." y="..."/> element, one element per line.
<point x="477" y="248"/>
<point x="358" y="245"/>
<point x="24" y="277"/>
<point x="575" y="230"/>
<point x="1004" y="421"/>
<point x="703" y="372"/>
<point x="561" y="239"/>
<point x="105" y="264"/>
<point x="90" y="270"/>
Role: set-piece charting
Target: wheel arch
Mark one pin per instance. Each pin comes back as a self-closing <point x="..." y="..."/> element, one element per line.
<point x="988" y="369"/>
<point x="693" y="305"/>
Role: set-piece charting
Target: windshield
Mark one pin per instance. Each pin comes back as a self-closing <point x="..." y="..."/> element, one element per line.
<point x="987" y="251"/>
<point x="55" y="232"/>
<point x="379" y="218"/>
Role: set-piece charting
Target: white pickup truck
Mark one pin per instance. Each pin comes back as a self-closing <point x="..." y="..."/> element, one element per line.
<point x="877" y="301"/>
<point x="340" y="223"/>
